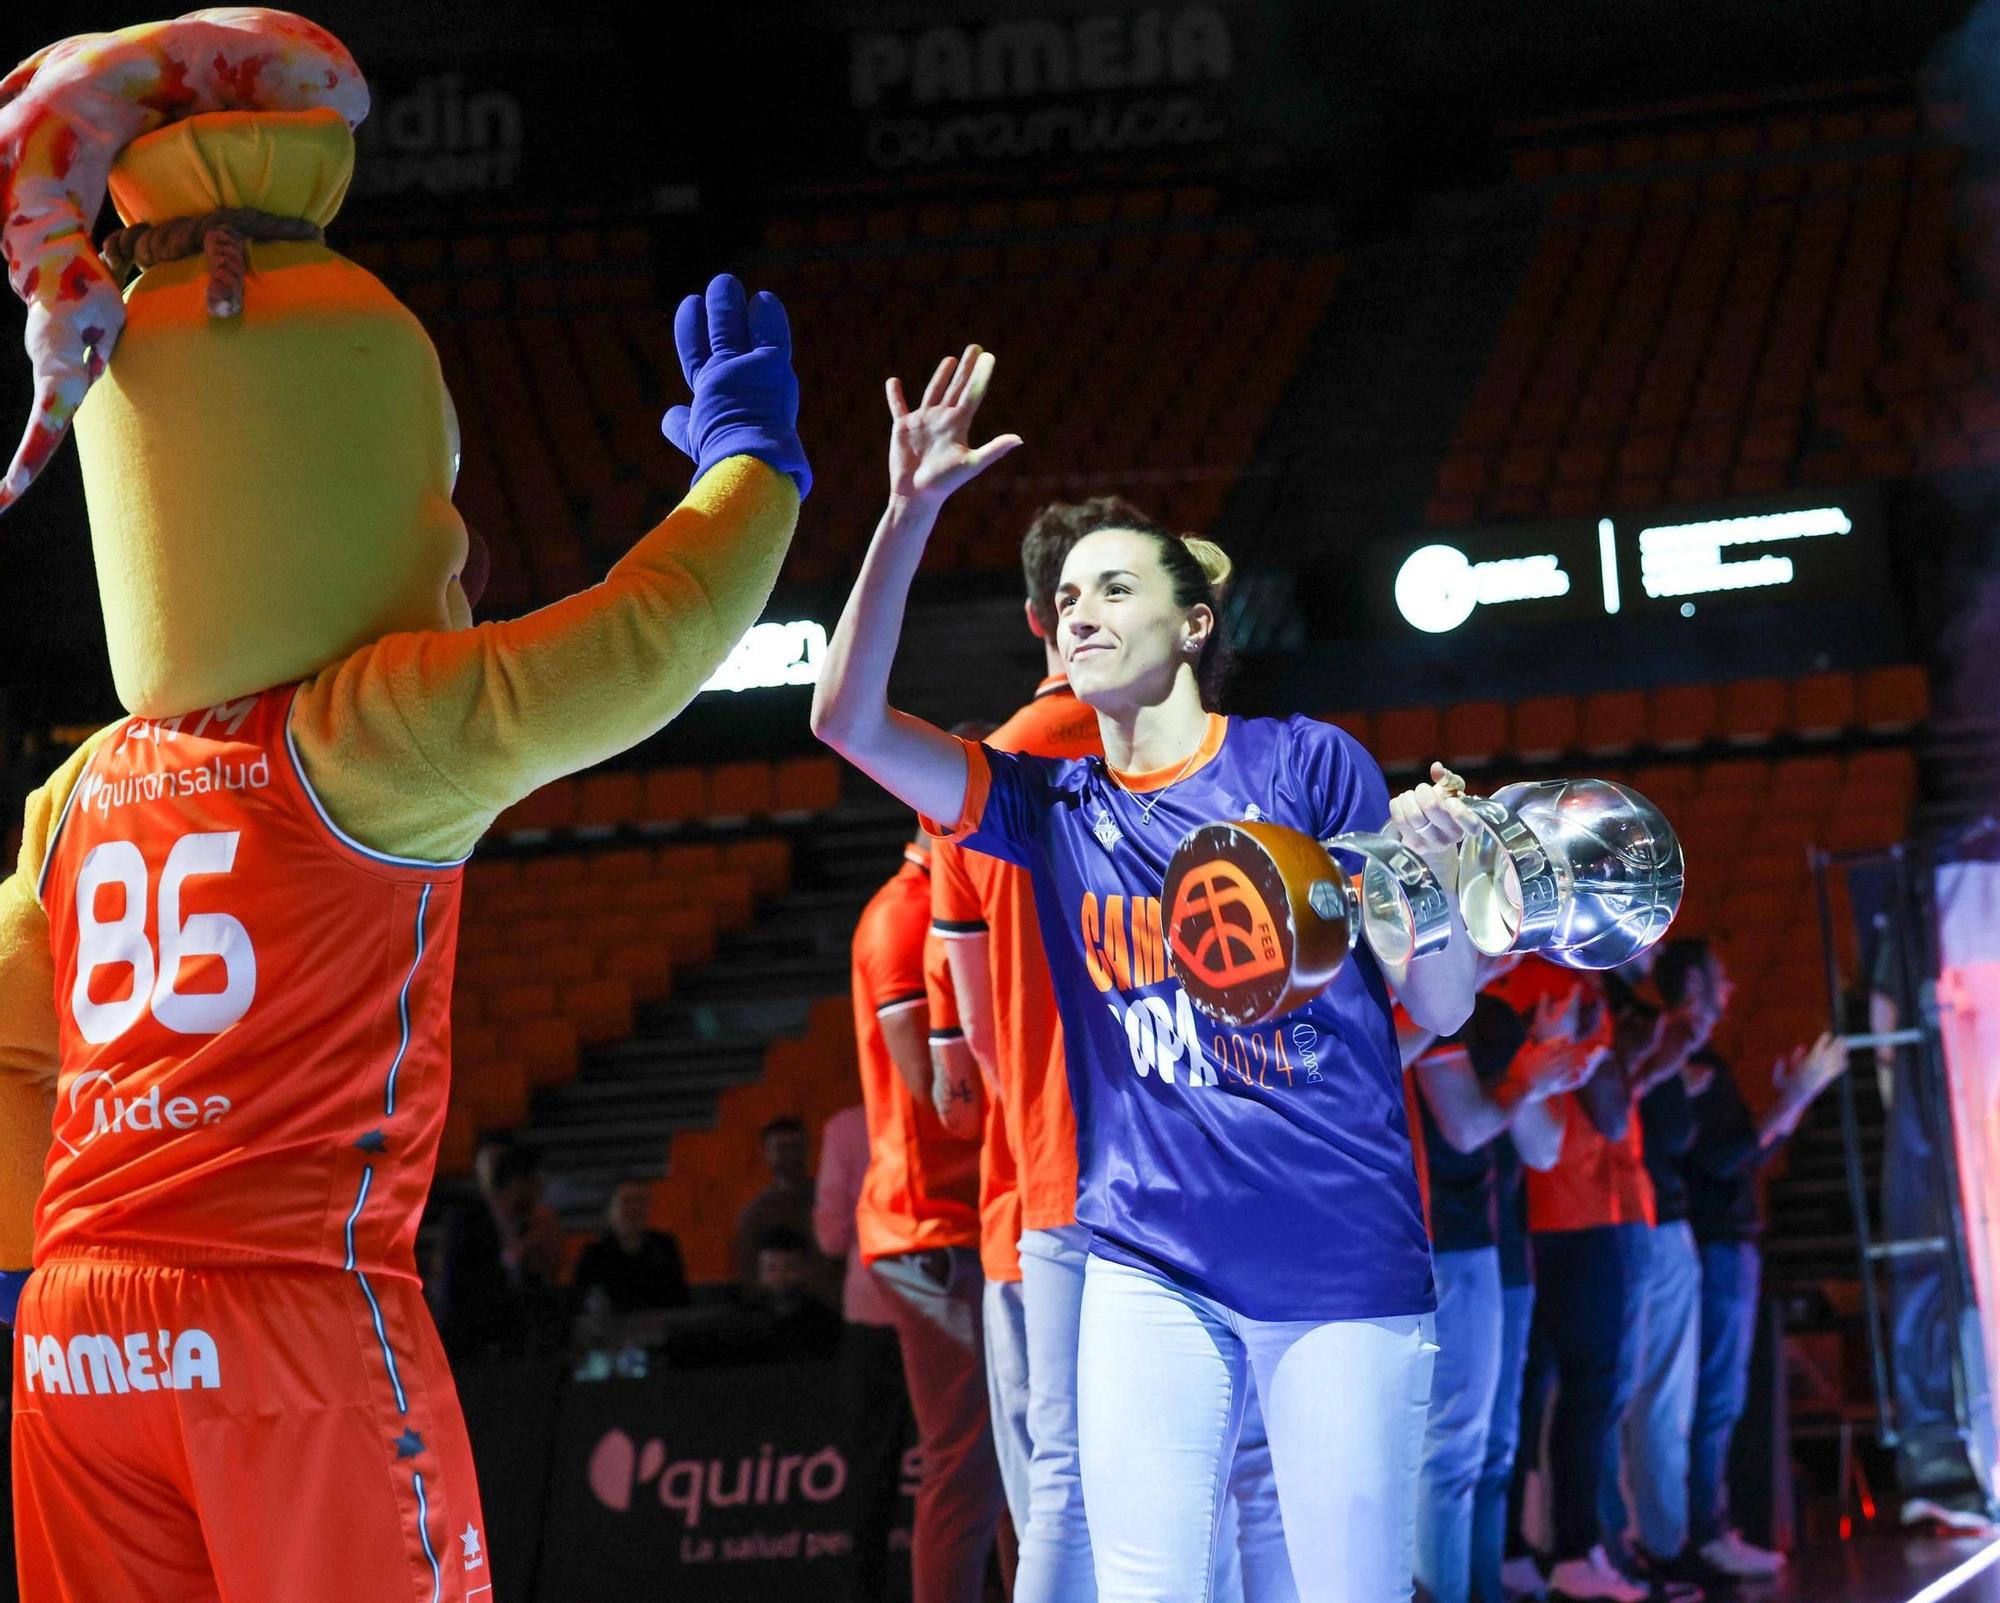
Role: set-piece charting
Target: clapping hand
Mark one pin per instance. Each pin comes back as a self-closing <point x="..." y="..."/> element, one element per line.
<point x="1556" y="1057"/>
<point x="929" y="456"/>
<point x="1804" y="1072"/>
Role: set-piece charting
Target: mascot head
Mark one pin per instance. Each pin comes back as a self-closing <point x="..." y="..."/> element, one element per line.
<point x="268" y="449"/>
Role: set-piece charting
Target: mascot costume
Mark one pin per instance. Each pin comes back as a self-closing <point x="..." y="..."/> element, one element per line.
<point x="226" y="953"/>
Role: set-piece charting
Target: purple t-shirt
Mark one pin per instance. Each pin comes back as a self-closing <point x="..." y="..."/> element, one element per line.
<point x="1267" y="1168"/>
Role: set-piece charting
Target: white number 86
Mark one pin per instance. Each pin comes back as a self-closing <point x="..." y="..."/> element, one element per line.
<point x="121" y="942"/>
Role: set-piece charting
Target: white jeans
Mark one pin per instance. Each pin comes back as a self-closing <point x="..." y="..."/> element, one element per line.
<point x="1055" y="1564"/>
<point x="1007" y="1392"/>
<point x="1164" y="1376"/>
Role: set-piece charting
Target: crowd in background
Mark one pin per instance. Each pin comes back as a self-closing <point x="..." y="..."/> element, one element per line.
<point x="500" y="1290"/>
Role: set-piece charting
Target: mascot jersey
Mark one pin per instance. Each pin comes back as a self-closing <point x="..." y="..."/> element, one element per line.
<point x="1268" y="1168"/>
<point x="188" y="1118"/>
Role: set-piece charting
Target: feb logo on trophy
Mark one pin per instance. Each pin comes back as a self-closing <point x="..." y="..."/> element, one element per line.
<point x="1261" y="917"/>
<point x="1232" y="935"/>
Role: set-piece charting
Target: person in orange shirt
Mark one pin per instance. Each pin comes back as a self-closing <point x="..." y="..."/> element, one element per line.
<point x="985" y="911"/>
<point x="967" y="1110"/>
<point x="918" y="1227"/>
<point x="1590" y="1219"/>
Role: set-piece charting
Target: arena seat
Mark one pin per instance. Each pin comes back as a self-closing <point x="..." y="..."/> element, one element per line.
<point x="1823" y="705"/>
<point x="1612" y="721"/>
<point x="1751" y="711"/>
<point x="802" y="786"/>
<point x="607" y="799"/>
<point x="1407" y="737"/>
<point x="1756" y="317"/>
<point x="738" y="791"/>
<point x="601" y="1009"/>
<point x="1544" y="727"/>
<point x="1475" y="732"/>
<point x="1894" y="700"/>
<point x="1683" y="717"/>
<point x="672" y="796"/>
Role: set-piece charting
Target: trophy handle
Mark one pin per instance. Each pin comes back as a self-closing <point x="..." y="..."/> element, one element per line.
<point x="1402" y="910"/>
<point x="1510" y="893"/>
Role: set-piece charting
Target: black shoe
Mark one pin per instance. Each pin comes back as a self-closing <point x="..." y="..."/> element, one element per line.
<point x="1685" y="1578"/>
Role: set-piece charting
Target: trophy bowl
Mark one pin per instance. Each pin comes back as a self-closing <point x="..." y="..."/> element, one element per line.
<point x="1258" y="918"/>
<point x="1584" y="872"/>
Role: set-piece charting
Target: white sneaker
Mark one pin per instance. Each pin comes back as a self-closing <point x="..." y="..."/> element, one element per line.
<point x="1522" y="1577"/>
<point x="1732" y="1555"/>
<point x="1959" y="1521"/>
<point x="1579" y="1579"/>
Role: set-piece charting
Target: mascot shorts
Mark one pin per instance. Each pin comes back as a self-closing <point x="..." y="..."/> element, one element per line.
<point x="245" y="1435"/>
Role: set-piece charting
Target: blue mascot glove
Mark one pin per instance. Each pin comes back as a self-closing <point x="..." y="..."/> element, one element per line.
<point x="737" y="358"/>
<point x="11" y="1282"/>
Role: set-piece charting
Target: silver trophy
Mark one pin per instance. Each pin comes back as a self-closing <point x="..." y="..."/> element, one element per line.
<point x="1260" y="917"/>
<point x="1583" y="872"/>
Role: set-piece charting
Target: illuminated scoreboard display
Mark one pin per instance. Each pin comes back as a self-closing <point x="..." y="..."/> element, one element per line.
<point x="1802" y="552"/>
<point x="772" y="655"/>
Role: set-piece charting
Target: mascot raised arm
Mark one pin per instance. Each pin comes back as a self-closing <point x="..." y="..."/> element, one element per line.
<point x="226" y="953"/>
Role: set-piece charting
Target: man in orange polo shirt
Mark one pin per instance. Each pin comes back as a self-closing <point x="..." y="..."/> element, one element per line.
<point x="968" y="1111"/>
<point x="1590" y="1218"/>
<point x="985" y="910"/>
<point x="918" y="1227"/>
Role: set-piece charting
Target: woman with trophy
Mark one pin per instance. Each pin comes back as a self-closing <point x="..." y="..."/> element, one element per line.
<point x="1246" y="1173"/>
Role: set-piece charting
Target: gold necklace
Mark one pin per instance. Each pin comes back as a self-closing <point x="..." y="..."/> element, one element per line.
<point x="1146" y="807"/>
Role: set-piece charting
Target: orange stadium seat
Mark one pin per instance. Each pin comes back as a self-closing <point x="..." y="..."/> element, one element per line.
<point x="1407" y="737"/>
<point x="1613" y="721"/>
<point x="738" y="791"/>
<point x="804" y="785"/>
<point x="458" y="1139"/>
<point x="1807" y="782"/>
<point x="547" y="1048"/>
<point x="1668" y="786"/>
<point x="474" y="1043"/>
<point x="1544" y="727"/>
<point x="601" y="1010"/>
<point x="768" y="862"/>
<point x="1475" y="732"/>
<point x="1886" y="778"/>
<point x="1683" y="716"/>
<point x="650" y="894"/>
<point x="509" y="1004"/>
<point x="1752" y="711"/>
<point x="671" y="796"/>
<point x="1894" y="700"/>
<point x="731" y="896"/>
<point x="622" y="866"/>
<point x="693" y="858"/>
<point x="645" y="966"/>
<point x="496" y="1090"/>
<point x="536" y="816"/>
<point x="607" y="800"/>
<point x="1823" y="705"/>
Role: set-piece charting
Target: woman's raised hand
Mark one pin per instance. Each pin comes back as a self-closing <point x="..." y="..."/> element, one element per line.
<point x="929" y="456"/>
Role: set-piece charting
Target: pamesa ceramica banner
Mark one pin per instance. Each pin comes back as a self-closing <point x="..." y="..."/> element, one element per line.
<point x="714" y="1485"/>
<point x="1102" y="82"/>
